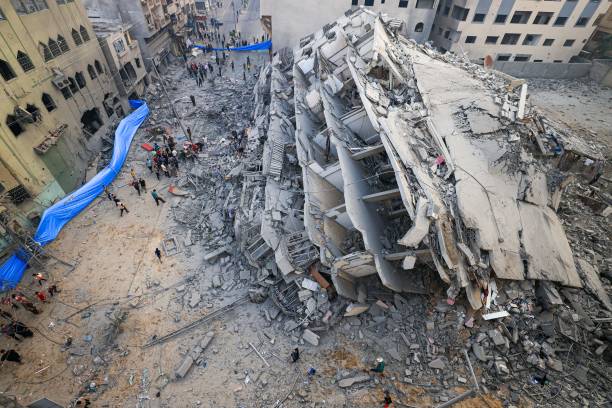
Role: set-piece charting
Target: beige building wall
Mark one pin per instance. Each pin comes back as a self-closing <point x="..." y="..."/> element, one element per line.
<point x="549" y="31"/>
<point x="45" y="46"/>
<point x="292" y="20"/>
<point x="122" y="53"/>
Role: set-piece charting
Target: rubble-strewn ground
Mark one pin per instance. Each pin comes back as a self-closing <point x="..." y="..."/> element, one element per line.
<point x="421" y="337"/>
<point x="581" y="104"/>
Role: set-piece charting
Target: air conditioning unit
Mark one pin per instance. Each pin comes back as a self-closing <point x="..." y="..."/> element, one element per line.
<point x="61" y="82"/>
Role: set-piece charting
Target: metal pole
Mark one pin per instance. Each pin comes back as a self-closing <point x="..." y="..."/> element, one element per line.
<point x="161" y="81"/>
<point x="235" y="16"/>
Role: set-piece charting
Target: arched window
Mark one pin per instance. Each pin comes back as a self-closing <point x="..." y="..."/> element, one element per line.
<point x="84" y="34"/>
<point x="34" y="111"/>
<point x="54" y="47"/>
<point x="418" y="28"/>
<point x="13" y="125"/>
<point x="45" y="51"/>
<point x="92" y="72"/>
<point x="76" y="37"/>
<point x="25" y="61"/>
<point x="98" y="67"/>
<point x="6" y="71"/>
<point x="80" y="80"/>
<point x="63" y="44"/>
<point x="48" y="102"/>
<point x="73" y="85"/>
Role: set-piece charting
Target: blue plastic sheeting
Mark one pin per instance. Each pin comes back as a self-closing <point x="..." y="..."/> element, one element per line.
<point x="266" y="45"/>
<point x="58" y="215"/>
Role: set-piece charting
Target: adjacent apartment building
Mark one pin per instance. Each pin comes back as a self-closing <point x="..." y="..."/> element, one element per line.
<point x="288" y="21"/>
<point x="159" y="26"/>
<point x="516" y="30"/>
<point x="57" y="97"/>
<point x="123" y="57"/>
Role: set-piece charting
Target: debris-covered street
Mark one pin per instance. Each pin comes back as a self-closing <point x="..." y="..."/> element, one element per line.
<point x="402" y="218"/>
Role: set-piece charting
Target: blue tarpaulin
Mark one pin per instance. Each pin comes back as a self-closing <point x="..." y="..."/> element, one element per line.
<point x="56" y="216"/>
<point x="266" y="45"/>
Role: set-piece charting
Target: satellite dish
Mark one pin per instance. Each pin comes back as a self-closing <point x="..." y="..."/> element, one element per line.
<point x="488" y="62"/>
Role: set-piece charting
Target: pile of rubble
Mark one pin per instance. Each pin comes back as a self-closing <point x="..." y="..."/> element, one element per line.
<point x="389" y="167"/>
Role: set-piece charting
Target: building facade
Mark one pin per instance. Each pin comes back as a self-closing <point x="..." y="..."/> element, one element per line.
<point x="516" y="30"/>
<point x="600" y="43"/>
<point x="288" y="21"/>
<point x="124" y="59"/>
<point x="158" y="25"/>
<point x="57" y="99"/>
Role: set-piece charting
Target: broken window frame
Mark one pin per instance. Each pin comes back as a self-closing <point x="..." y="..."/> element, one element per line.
<point x="24" y="61"/>
<point x="48" y="102"/>
<point x="510" y="39"/>
<point x="6" y="71"/>
<point x="84" y="34"/>
<point x="76" y="37"/>
<point x="92" y="72"/>
<point x="54" y="47"/>
<point x="13" y="124"/>
<point x="80" y="80"/>
<point x="63" y="44"/>
<point x="521" y="17"/>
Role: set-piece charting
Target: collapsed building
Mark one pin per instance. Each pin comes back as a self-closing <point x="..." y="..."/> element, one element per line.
<point x="386" y="159"/>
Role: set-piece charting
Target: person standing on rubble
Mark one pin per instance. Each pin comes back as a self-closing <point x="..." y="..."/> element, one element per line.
<point x="232" y="65"/>
<point x="380" y="366"/>
<point x="165" y="170"/>
<point x="295" y="355"/>
<point x="150" y="164"/>
<point x="158" y="254"/>
<point x="39" y="277"/>
<point x="387" y="401"/>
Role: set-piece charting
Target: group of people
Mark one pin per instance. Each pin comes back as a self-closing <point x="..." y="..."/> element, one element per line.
<point x="165" y="159"/>
<point x="15" y="329"/>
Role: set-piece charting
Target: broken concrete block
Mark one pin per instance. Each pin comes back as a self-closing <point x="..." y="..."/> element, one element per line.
<point x="211" y="256"/>
<point x="479" y="352"/>
<point x="290" y="325"/>
<point x="347" y="382"/>
<point x="303" y="295"/>
<point x="437" y="364"/>
<point x="355" y="309"/>
<point x="311" y="337"/>
<point x="194" y="299"/>
<point x="184" y="367"/>
<point x="216" y="281"/>
<point x="497" y="337"/>
<point x="310" y="285"/>
<point x="408" y="262"/>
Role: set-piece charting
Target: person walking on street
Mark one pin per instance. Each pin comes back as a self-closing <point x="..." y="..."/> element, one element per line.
<point x="150" y="164"/>
<point x="156" y="197"/>
<point x="232" y="65"/>
<point x="143" y="184"/>
<point x="39" y="277"/>
<point x="108" y="193"/>
<point x="136" y="186"/>
<point x="122" y="208"/>
<point x="10" y="355"/>
<point x="158" y="254"/>
<point x="156" y="168"/>
<point x="133" y="173"/>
